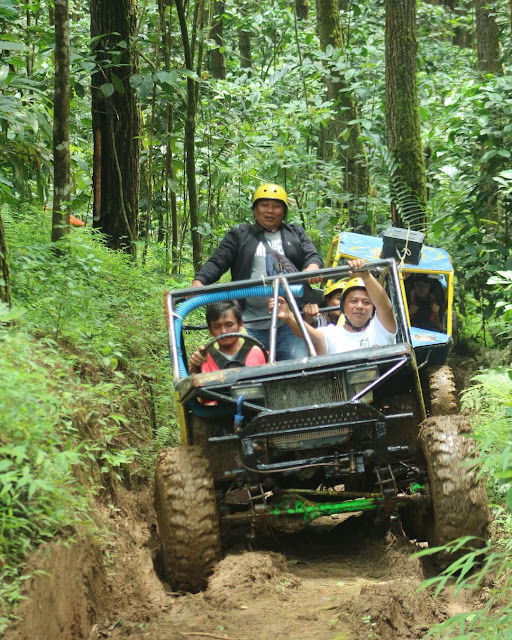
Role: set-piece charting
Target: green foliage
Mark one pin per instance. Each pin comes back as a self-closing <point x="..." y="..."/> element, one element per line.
<point x="503" y="283"/>
<point x="85" y="384"/>
<point x="92" y="298"/>
<point x="39" y="494"/>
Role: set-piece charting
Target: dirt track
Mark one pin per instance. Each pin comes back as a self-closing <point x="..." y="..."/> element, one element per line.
<point x="339" y="580"/>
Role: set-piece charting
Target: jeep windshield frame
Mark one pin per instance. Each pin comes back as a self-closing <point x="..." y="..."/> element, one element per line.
<point x="180" y="302"/>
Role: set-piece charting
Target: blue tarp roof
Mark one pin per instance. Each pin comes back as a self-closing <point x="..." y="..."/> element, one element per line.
<point x="425" y="338"/>
<point x="370" y="247"/>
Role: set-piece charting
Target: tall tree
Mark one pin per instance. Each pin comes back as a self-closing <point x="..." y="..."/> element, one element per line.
<point x="5" y="280"/>
<point x="487" y="40"/>
<point x="171" y="208"/>
<point x="116" y="122"/>
<point x="218" y="60"/>
<point x="349" y="149"/>
<point x="244" y="40"/>
<point x="61" y="159"/>
<point x="302" y="9"/>
<point x="488" y="55"/>
<point x="462" y="36"/>
<point x="189" y="44"/>
<point x="402" y="116"/>
<point x="245" y="48"/>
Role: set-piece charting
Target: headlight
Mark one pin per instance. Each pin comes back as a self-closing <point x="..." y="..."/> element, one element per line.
<point x="360" y="376"/>
<point x="248" y="391"/>
<point x="358" y="379"/>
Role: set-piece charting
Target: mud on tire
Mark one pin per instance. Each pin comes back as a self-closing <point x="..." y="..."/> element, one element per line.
<point x="442" y="392"/>
<point x="459" y="497"/>
<point x="188" y="521"/>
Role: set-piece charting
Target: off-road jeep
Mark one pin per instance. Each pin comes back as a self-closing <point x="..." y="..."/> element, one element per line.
<point x="283" y="443"/>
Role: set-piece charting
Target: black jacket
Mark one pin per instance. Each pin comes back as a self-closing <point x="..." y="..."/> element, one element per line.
<point x="238" y="247"/>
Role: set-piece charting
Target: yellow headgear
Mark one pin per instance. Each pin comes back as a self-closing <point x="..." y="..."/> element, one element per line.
<point x="353" y="283"/>
<point x="270" y="192"/>
<point x="338" y="285"/>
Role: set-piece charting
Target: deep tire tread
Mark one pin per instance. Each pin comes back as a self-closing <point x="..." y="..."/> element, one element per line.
<point x="442" y="391"/>
<point x="459" y="496"/>
<point x="188" y="521"/>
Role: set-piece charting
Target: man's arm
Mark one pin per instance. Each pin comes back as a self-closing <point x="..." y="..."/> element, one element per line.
<point x="284" y="313"/>
<point x="220" y="261"/>
<point x="379" y="298"/>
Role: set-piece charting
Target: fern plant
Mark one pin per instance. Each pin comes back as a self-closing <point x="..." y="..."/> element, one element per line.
<point x="405" y="200"/>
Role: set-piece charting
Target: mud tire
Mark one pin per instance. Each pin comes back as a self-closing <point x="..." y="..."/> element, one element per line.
<point x="442" y="392"/>
<point x="459" y="497"/>
<point x="188" y="521"/>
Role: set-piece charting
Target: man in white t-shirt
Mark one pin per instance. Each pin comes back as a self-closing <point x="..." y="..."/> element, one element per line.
<point x="369" y="320"/>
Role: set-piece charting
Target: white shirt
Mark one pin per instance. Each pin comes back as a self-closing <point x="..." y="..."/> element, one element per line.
<point x="339" y="340"/>
<point x="258" y="307"/>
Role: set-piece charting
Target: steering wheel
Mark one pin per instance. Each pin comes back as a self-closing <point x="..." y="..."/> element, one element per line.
<point x="208" y="347"/>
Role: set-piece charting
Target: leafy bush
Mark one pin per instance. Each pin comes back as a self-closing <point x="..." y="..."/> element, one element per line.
<point x="94" y="300"/>
<point x="39" y="494"/>
<point x="86" y="388"/>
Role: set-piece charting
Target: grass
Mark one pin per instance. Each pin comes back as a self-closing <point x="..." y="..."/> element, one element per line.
<point x="86" y="385"/>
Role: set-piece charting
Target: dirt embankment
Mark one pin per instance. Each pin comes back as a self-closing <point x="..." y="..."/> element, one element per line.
<point x="341" y="579"/>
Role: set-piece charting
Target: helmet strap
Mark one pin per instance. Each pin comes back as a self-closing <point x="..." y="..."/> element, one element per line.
<point x="358" y="328"/>
<point x="331" y="318"/>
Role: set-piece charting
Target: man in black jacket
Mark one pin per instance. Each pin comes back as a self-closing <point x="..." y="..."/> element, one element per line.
<point x="243" y="251"/>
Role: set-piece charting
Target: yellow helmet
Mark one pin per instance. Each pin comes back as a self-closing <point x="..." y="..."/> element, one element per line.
<point x="339" y="285"/>
<point x="271" y="192"/>
<point x="353" y="283"/>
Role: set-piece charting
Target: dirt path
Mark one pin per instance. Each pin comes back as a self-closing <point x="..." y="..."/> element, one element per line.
<point x="341" y="579"/>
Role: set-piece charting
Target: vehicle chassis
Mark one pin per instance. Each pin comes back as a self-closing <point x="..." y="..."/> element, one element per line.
<point x="287" y="442"/>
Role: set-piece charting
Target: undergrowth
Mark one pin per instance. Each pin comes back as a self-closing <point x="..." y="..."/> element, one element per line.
<point x="86" y="386"/>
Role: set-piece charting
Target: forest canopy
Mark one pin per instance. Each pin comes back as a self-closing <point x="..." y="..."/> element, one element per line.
<point x="152" y="124"/>
<point x="367" y="112"/>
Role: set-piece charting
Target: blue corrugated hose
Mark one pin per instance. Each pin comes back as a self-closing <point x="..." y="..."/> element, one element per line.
<point x="216" y="296"/>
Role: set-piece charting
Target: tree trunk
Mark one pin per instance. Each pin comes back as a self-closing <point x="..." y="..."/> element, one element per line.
<point x="61" y="158"/>
<point x="116" y="123"/>
<point x="171" y="208"/>
<point x="350" y="151"/>
<point x="487" y="40"/>
<point x="402" y="119"/>
<point x="190" y="130"/>
<point x="244" y="47"/>
<point x="5" y="278"/>
<point x="461" y="36"/>
<point x="302" y="9"/>
<point x="218" y="60"/>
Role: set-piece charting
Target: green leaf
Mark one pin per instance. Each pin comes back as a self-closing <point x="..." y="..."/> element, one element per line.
<point x="118" y="83"/>
<point x="107" y="89"/>
<point x="135" y="80"/>
<point x="12" y="46"/>
<point x="167" y="77"/>
<point x="8" y="10"/>
<point x="79" y="89"/>
<point x="4" y="72"/>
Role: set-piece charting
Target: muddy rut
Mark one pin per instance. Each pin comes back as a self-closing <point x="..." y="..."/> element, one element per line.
<point x="340" y="579"/>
